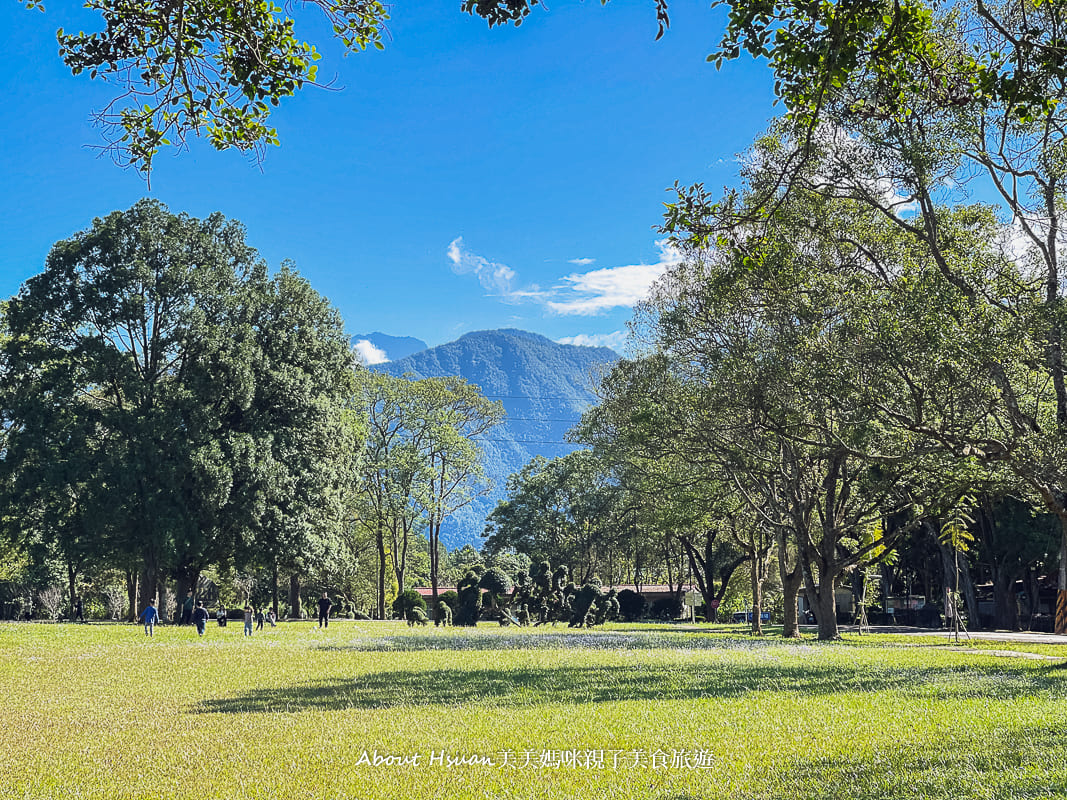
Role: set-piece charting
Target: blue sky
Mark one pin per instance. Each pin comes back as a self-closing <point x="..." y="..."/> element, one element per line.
<point x="463" y="179"/>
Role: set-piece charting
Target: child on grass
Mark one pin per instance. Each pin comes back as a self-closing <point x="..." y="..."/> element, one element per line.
<point x="151" y="617"/>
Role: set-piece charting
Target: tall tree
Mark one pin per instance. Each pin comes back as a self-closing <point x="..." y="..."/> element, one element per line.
<point x="459" y="414"/>
<point x="149" y="349"/>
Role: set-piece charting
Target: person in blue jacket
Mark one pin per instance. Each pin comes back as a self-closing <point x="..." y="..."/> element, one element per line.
<point x="151" y="617"/>
<point x="200" y="617"/>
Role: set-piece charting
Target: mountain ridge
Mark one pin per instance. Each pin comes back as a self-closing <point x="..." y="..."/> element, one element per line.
<point x="544" y="387"/>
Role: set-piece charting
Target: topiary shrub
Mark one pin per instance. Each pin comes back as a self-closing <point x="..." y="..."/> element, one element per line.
<point x="582" y="612"/>
<point x="631" y="605"/>
<point x="406" y="602"/>
<point x="416" y="616"/>
<point x="496" y="582"/>
<point x="444" y="614"/>
<point x="667" y="608"/>
<point x="469" y="601"/>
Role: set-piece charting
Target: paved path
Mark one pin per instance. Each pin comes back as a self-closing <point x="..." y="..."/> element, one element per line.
<point x="985" y="636"/>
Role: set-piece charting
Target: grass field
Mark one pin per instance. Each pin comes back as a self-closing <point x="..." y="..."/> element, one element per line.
<point x="99" y="711"/>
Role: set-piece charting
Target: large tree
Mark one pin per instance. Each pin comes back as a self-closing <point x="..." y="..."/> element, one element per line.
<point x="191" y="395"/>
<point x="458" y="414"/>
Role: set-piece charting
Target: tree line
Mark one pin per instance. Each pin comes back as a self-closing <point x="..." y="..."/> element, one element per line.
<point x="855" y="352"/>
<point x="172" y="409"/>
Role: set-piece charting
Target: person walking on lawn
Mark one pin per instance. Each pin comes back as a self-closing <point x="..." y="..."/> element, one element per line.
<point x="151" y="617"/>
<point x="200" y="617"/>
<point x="324" y="611"/>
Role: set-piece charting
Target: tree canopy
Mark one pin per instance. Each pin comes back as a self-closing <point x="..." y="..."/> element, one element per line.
<point x="168" y="402"/>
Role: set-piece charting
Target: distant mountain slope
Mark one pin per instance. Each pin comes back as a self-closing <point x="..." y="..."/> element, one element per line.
<point x="544" y="387"/>
<point x="394" y="347"/>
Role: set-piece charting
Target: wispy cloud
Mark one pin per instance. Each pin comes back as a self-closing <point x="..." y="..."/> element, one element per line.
<point x="616" y="340"/>
<point x="589" y="293"/>
<point x="497" y="279"/>
<point x="368" y="353"/>
<point x="580" y="293"/>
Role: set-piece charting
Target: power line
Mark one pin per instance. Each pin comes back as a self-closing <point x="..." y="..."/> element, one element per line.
<point x="542" y="419"/>
<point x="531" y="397"/>
<point x="527" y="441"/>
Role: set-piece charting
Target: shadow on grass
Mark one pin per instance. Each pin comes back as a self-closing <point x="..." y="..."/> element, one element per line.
<point x="1023" y="762"/>
<point x="1015" y="762"/>
<point x="531" y="686"/>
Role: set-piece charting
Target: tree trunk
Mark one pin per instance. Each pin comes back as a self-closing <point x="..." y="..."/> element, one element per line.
<point x="790" y="594"/>
<point x="131" y="595"/>
<point x="435" y="533"/>
<point x="1061" y="593"/>
<point x="274" y="587"/>
<point x="1033" y="594"/>
<point x="149" y="590"/>
<point x="186" y="582"/>
<point x="823" y="603"/>
<point x="755" y="574"/>
<point x="295" y="611"/>
<point x="1005" y="607"/>
<point x="72" y="576"/>
<point x="792" y="578"/>
<point x="382" y="566"/>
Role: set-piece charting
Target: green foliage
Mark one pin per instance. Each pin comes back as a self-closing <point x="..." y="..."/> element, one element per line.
<point x="496" y="582"/>
<point x="954" y="527"/>
<point x="631" y="605"/>
<point x="406" y="602"/>
<point x="567" y="509"/>
<point x="216" y="67"/>
<point x="172" y="404"/>
<point x="469" y="601"/>
<point x="420" y="463"/>
<point x="444" y="612"/>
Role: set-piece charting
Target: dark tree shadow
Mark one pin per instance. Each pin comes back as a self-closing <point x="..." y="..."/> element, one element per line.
<point x="531" y="686"/>
<point x="1016" y="762"/>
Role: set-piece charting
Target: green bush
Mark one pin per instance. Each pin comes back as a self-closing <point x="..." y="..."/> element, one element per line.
<point x="406" y="602"/>
<point x="632" y="605"/>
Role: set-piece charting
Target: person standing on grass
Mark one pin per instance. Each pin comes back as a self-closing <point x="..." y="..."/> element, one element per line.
<point x="79" y="615"/>
<point x="324" y="610"/>
<point x="259" y="619"/>
<point x="200" y="616"/>
<point x="248" y="620"/>
<point x="187" y="608"/>
<point x="151" y="617"/>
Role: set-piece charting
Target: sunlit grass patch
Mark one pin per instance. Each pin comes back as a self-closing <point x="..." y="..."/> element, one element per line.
<point x="100" y="711"/>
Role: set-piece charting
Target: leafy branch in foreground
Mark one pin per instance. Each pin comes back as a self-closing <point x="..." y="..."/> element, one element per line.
<point x="186" y="68"/>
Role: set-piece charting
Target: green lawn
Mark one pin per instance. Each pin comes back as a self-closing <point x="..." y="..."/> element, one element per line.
<point x="99" y="711"/>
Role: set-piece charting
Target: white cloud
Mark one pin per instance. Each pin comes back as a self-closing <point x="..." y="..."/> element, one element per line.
<point x="368" y="353"/>
<point x="581" y="262"/>
<point x="589" y="293"/>
<point x="580" y="293"/>
<point x="616" y="340"/>
<point x="497" y="279"/>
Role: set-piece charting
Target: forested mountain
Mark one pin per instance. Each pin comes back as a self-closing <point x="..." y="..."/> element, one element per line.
<point x="544" y="387"/>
